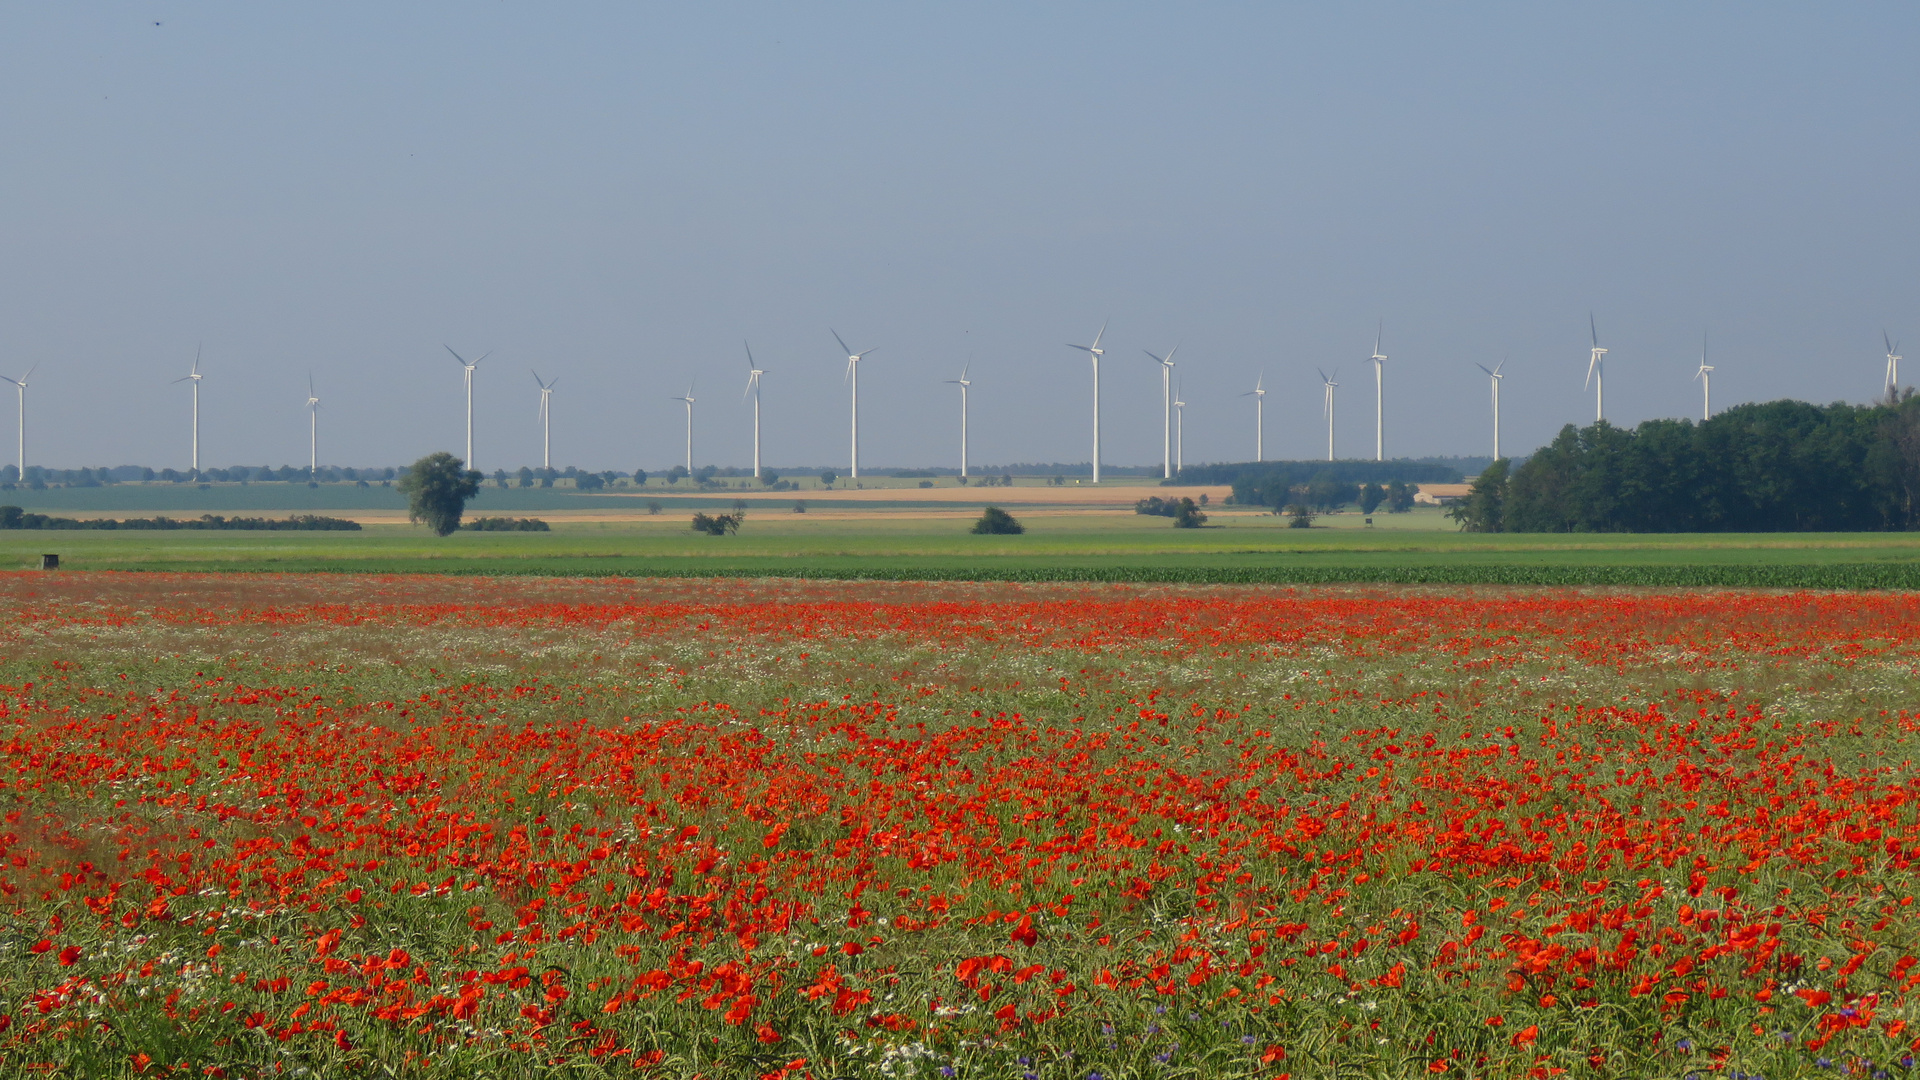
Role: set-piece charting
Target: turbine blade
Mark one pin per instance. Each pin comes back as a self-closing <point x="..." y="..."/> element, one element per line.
<point x="1888" y="340"/>
<point x="1098" y="336"/>
<point x="1152" y="357"/>
<point x="963" y="370"/>
<point x="743" y="341"/>
<point x="1484" y="368"/>
<point x="461" y="360"/>
<point x="1593" y="329"/>
<point x="843" y="344"/>
<point x="1377" y="332"/>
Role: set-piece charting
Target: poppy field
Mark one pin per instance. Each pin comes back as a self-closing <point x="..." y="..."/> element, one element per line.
<point x="331" y="825"/>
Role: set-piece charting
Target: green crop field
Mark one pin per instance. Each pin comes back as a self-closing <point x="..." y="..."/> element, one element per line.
<point x="1246" y="547"/>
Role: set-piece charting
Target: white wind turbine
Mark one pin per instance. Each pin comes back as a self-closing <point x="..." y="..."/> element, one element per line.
<point x="1379" y="395"/>
<point x="194" y="377"/>
<point x="962" y="383"/>
<point x="1494" y="376"/>
<point x="688" y="398"/>
<point x="21" y="384"/>
<point x="853" y="377"/>
<point x="313" y="429"/>
<point x="1166" y="409"/>
<point x="546" y="418"/>
<point x="1095" y="352"/>
<point x="1259" y="396"/>
<point x="1705" y="375"/>
<point x="753" y="387"/>
<point x="1893" y="366"/>
<point x="1331" y="385"/>
<point x="1179" y="431"/>
<point x="1597" y="373"/>
<point x="468" y="368"/>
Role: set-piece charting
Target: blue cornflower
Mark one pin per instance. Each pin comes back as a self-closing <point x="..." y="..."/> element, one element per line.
<point x="1824" y="1063"/>
<point x="1685" y="1046"/>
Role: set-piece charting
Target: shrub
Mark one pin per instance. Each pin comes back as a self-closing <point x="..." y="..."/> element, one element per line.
<point x="717" y="525"/>
<point x="799" y="506"/>
<point x="997" y="522"/>
<point x="505" y="524"/>
<point x="1302" y="516"/>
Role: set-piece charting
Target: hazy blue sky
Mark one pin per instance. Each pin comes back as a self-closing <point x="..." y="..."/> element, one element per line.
<point x="617" y="194"/>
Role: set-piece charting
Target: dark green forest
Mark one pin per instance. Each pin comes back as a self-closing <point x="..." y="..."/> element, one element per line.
<point x="1778" y="466"/>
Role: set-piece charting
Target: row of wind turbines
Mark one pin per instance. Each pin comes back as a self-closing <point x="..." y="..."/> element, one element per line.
<point x="1173" y="408"/>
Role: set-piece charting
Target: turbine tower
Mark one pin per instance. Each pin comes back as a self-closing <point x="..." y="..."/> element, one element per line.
<point x="1328" y="379"/>
<point x="1095" y="352"/>
<point x="1705" y="375"/>
<point x="688" y="398"/>
<point x="1166" y="410"/>
<point x="1379" y="395"/>
<point x="852" y="377"/>
<point x="21" y="384"/>
<point x="546" y="419"/>
<point x="962" y="383"/>
<point x="313" y="429"/>
<point x="194" y="377"/>
<point x="1597" y="373"/>
<point x="1893" y="366"/>
<point x="468" y="368"/>
<point x="1259" y="397"/>
<point x="1494" y="376"/>
<point x="1179" y="431"/>
<point x="753" y="387"/>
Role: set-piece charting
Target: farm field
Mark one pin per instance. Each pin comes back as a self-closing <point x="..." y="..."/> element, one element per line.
<point x="327" y="825"/>
<point x="838" y="541"/>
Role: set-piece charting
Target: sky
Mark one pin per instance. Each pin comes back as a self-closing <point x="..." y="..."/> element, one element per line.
<point x="617" y="195"/>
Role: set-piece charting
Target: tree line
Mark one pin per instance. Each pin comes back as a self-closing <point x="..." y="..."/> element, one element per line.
<point x="13" y="517"/>
<point x="1777" y="466"/>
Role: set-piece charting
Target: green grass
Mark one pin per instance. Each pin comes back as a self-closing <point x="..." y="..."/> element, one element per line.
<point x="1246" y="548"/>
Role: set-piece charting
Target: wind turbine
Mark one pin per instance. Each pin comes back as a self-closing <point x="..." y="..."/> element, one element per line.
<point x="1179" y="431"/>
<point x="852" y="376"/>
<point x="1328" y="379"/>
<point x="962" y="383"/>
<point x="1597" y="373"/>
<point x="753" y="387"/>
<point x="1893" y="365"/>
<point x="1494" y="376"/>
<point x="313" y="429"/>
<point x="194" y="377"/>
<point x="1379" y="394"/>
<point x="688" y="398"/>
<point x="469" y="373"/>
<point x="1095" y="352"/>
<point x="546" y="419"/>
<point x="1259" y="397"/>
<point x="1705" y="375"/>
<point x="21" y="384"/>
<point x="1166" y="409"/>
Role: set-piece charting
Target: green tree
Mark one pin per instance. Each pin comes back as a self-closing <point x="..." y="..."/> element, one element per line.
<point x="1481" y="510"/>
<point x="1371" y="496"/>
<point x="437" y="488"/>
<point x="997" y="522"/>
<point x="827" y="477"/>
